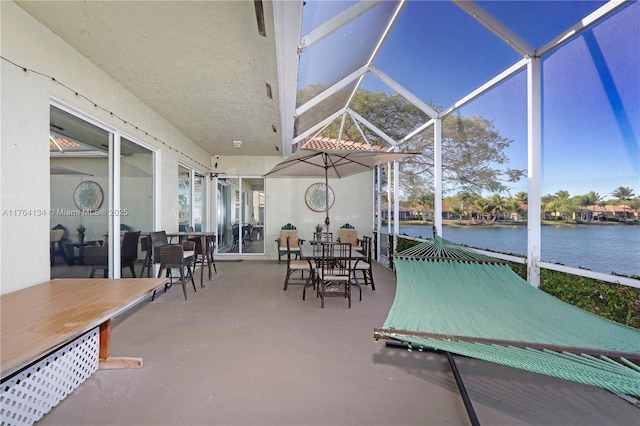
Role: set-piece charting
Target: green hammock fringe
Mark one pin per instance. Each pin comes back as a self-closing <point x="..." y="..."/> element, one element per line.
<point x="445" y="289"/>
<point x="441" y="249"/>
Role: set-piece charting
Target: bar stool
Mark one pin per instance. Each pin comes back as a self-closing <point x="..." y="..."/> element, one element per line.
<point x="204" y="257"/>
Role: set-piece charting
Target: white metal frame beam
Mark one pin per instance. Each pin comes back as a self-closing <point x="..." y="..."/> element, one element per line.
<point x="331" y="91"/>
<point x="418" y="130"/>
<point x="590" y="20"/>
<point x="417" y="102"/>
<point x="287" y="17"/>
<point x="372" y="127"/>
<point x="336" y="23"/>
<point x="376" y="50"/>
<point x="318" y="126"/>
<point x="496" y="27"/>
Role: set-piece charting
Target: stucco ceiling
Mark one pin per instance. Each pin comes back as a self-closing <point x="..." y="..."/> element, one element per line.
<point x="202" y="65"/>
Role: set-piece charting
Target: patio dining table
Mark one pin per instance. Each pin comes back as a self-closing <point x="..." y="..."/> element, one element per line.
<point x="316" y="257"/>
<point x="206" y="240"/>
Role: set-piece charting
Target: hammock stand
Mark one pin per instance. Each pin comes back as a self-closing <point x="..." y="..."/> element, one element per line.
<point x="453" y="300"/>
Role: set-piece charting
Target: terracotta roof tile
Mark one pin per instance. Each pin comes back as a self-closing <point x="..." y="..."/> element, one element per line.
<point x="64" y="143"/>
<point x="331" y="143"/>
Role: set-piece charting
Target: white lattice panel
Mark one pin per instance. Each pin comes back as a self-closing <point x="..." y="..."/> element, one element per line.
<point x="27" y="396"/>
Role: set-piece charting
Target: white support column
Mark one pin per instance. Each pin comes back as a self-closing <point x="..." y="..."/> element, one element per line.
<point x="534" y="169"/>
<point x="378" y="207"/>
<point x="389" y="198"/>
<point x="396" y="204"/>
<point x="114" y="206"/>
<point x="437" y="175"/>
<point x="287" y="16"/>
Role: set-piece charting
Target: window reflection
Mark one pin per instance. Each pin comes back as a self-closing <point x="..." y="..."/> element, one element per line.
<point x="199" y="202"/>
<point x="241" y="215"/>
<point x="81" y="210"/>
<point x="184" y="198"/>
<point x="79" y="158"/>
<point x="136" y="191"/>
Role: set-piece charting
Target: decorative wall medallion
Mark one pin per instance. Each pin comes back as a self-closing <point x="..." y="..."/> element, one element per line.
<point x="316" y="197"/>
<point x="88" y="195"/>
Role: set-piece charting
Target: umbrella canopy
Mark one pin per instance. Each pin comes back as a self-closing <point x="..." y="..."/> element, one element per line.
<point x="332" y="163"/>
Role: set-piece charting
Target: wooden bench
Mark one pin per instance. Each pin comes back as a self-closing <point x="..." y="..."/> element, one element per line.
<point x="40" y="321"/>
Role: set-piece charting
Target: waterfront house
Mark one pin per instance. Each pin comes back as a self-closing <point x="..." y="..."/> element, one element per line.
<point x="611" y="211"/>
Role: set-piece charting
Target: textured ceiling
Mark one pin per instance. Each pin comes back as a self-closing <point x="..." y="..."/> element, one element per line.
<point x="201" y="65"/>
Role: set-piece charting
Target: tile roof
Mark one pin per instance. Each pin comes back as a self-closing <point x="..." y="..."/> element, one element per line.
<point x="64" y="143"/>
<point x="331" y="143"/>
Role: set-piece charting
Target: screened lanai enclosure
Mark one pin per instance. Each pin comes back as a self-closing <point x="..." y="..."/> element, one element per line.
<point x="523" y="101"/>
<point x="167" y="116"/>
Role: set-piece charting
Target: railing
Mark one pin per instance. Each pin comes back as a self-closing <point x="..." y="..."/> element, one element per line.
<point x="615" y="279"/>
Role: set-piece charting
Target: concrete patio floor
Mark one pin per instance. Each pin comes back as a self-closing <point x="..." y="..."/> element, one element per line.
<point x="244" y="352"/>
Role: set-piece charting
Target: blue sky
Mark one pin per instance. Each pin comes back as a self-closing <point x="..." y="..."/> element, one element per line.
<point x="591" y="86"/>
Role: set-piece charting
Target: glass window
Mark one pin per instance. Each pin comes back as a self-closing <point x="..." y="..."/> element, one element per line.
<point x="184" y="198"/>
<point x="79" y="167"/>
<point x="80" y="188"/>
<point x="199" y="202"/>
<point x="136" y="192"/>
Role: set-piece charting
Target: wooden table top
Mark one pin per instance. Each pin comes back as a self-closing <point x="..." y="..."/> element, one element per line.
<point x="39" y="319"/>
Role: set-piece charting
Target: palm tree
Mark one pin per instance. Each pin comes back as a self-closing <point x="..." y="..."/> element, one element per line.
<point x="623" y="193"/>
<point x="591" y="198"/>
<point x="427" y="200"/>
<point x="555" y="206"/>
<point x="484" y="207"/>
<point x="497" y="203"/>
<point x="512" y="205"/>
<point x="458" y="212"/>
<point x="468" y="200"/>
<point x="522" y="197"/>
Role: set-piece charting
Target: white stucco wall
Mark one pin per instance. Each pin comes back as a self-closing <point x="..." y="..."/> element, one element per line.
<point x="24" y="132"/>
<point x="285" y="204"/>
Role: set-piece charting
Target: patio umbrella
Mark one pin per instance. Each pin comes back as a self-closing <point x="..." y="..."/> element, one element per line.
<point x="332" y="163"/>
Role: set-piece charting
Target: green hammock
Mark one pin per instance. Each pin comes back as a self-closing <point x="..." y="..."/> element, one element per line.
<point x="453" y="299"/>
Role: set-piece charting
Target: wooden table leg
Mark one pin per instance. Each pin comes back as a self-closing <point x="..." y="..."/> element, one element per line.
<point x="106" y="361"/>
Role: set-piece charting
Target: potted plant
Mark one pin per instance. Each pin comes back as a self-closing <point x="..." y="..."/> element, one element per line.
<point x="318" y="228"/>
<point x="81" y="230"/>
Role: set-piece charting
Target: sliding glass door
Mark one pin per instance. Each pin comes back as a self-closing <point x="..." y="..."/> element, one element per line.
<point x="93" y="191"/>
<point x="191" y="199"/>
<point x="241" y="215"/>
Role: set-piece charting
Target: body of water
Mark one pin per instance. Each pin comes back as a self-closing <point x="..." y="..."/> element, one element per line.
<point x="607" y="249"/>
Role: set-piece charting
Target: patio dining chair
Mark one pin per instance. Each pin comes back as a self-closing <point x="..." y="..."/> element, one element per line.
<point x="334" y="272"/>
<point x="289" y="230"/>
<point x="364" y="266"/>
<point x="295" y="265"/>
<point x="348" y="234"/>
<point x="98" y="256"/>
<point x="173" y="256"/>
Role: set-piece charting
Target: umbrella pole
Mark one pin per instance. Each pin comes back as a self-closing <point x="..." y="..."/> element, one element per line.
<point x="326" y="195"/>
